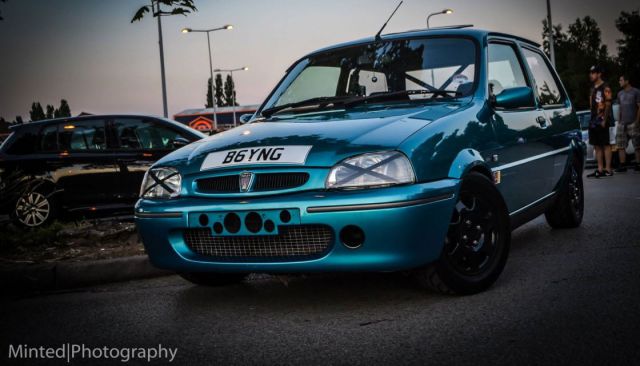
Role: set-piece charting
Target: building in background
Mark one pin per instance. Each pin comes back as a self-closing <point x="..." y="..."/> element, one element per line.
<point x="202" y="119"/>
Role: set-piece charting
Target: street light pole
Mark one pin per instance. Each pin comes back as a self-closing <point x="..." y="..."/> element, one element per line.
<point x="233" y="89"/>
<point x="552" y="53"/>
<point x="443" y="11"/>
<point x="162" y="74"/>
<point x="213" y="94"/>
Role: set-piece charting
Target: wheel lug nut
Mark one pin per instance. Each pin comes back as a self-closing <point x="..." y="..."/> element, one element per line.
<point x="475" y="242"/>
<point x="464" y="237"/>
<point x="479" y="227"/>
<point x="468" y="222"/>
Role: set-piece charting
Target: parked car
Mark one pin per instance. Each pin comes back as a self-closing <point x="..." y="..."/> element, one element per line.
<point x="83" y="164"/>
<point x="416" y="151"/>
<point x="584" y="118"/>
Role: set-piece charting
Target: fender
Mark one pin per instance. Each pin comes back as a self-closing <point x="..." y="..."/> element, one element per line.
<point x="465" y="161"/>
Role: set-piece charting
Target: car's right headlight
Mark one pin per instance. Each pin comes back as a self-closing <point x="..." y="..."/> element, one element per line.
<point x="378" y="169"/>
<point x="161" y="183"/>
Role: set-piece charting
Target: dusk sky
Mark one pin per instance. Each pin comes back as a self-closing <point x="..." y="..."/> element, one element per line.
<point x="88" y="52"/>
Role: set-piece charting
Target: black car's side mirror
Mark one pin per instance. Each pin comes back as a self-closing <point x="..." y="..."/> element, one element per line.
<point x="179" y="142"/>
<point x="245" y="118"/>
<point x="514" y="98"/>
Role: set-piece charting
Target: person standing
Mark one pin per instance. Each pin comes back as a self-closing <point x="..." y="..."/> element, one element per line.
<point x="628" y="122"/>
<point x="601" y="120"/>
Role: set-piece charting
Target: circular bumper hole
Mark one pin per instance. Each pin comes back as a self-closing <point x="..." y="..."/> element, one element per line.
<point x="217" y="227"/>
<point x="203" y="220"/>
<point x="285" y="216"/>
<point x="269" y="226"/>
<point x="352" y="236"/>
<point x="253" y="222"/>
<point x="232" y="223"/>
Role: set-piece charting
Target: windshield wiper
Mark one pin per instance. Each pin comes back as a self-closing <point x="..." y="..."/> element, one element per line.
<point x="401" y="94"/>
<point x="321" y="102"/>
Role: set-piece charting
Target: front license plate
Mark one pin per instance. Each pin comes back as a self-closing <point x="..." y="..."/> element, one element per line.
<point x="290" y="154"/>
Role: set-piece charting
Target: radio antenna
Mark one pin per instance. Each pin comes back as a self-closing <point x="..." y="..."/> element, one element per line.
<point x="378" y="38"/>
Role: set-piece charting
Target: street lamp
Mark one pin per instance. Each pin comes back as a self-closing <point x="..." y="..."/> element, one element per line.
<point x="444" y="11"/>
<point x="233" y="91"/>
<point x="213" y="94"/>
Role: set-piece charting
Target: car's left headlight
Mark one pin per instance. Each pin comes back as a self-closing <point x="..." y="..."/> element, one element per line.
<point x="161" y="183"/>
<point x="372" y="170"/>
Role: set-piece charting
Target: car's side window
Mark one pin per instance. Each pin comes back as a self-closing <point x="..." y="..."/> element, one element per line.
<point x="137" y="134"/>
<point x="82" y="135"/>
<point x="49" y="138"/>
<point x="505" y="70"/>
<point x="548" y="89"/>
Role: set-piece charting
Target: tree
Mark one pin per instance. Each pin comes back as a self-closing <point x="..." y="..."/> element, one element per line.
<point x="629" y="46"/>
<point x="219" y="90"/>
<point x="230" y="92"/>
<point x="576" y="51"/>
<point x="18" y="120"/>
<point x="36" y="113"/>
<point x="50" y="111"/>
<point x="4" y="125"/>
<point x="63" y="110"/>
<point x="176" y="7"/>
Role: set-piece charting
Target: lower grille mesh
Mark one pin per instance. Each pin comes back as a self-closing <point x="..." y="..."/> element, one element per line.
<point x="291" y="241"/>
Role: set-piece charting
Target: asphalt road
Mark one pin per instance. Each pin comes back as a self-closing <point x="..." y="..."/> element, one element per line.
<point x="565" y="297"/>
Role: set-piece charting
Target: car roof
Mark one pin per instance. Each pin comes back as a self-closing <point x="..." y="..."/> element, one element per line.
<point x="462" y="30"/>
<point x="103" y="116"/>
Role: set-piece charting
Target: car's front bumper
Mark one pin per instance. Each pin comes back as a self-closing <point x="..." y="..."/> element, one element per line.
<point x="404" y="227"/>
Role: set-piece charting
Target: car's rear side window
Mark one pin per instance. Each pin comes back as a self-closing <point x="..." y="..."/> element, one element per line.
<point x="82" y="135"/>
<point x="548" y="89"/>
<point x="134" y="134"/>
<point x="49" y="138"/>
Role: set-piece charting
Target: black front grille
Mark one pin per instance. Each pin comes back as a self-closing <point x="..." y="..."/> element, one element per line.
<point x="275" y="181"/>
<point x="224" y="184"/>
<point x="263" y="182"/>
<point x="295" y="241"/>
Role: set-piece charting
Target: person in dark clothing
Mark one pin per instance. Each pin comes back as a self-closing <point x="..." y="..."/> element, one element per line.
<point x="601" y="119"/>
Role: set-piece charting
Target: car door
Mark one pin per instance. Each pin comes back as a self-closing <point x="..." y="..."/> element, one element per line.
<point x="141" y="142"/>
<point x="90" y="176"/>
<point x="553" y="102"/>
<point x="520" y="163"/>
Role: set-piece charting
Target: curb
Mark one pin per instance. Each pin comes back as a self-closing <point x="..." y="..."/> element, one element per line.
<point x="68" y="275"/>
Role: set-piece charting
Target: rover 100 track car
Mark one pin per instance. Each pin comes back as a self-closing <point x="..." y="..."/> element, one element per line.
<point x="418" y="151"/>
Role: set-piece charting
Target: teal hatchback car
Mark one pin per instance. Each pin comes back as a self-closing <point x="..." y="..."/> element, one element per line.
<point x="418" y="151"/>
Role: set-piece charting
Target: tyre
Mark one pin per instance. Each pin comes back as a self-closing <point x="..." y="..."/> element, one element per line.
<point x="213" y="279"/>
<point x="35" y="208"/>
<point x="477" y="243"/>
<point x="568" y="209"/>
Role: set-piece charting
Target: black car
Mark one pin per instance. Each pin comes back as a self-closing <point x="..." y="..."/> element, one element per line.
<point x="82" y="164"/>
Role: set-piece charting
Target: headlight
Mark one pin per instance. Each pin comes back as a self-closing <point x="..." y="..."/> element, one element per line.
<point x="161" y="183"/>
<point x="370" y="170"/>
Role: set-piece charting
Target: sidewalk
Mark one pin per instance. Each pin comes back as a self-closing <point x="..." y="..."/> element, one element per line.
<point x="66" y="275"/>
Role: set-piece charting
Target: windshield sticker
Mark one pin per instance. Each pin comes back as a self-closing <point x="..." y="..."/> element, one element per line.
<point x="257" y="156"/>
<point x="458" y="80"/>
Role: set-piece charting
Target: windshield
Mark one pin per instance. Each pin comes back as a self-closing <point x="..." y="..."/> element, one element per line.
<point x="427" y="64"/>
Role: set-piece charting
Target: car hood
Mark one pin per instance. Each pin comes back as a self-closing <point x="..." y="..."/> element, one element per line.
<point x="331" y="137"/>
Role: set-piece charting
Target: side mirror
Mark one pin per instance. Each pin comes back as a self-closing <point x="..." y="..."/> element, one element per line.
<point x="245" y="118"/>
<point x="514" y="98"/>
<point x="179" y="142"/>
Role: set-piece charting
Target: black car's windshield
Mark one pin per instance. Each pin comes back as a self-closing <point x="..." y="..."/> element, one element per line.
<point x="379" y="72"/>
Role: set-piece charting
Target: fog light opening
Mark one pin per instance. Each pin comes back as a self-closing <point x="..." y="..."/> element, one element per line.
<point x="269" y="226"/>
<point x="285" y="216"/>
<point x="352" y="236"/>
<point x="217" y="228"/>
<point x="203" y="220"/>
<point x="253" y="222"/>
<point x="232" y="223"/>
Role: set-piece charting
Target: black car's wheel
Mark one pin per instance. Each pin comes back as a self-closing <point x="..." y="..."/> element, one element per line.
<point x="213" y="279"/>
<point x="568" y="209"/>
<point x="477" y="242"/>
<point x="35" y="208"/>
